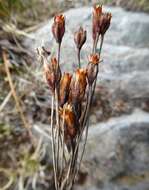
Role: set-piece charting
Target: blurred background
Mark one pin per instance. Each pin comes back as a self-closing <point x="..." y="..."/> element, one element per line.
<point x="117" y="153"/>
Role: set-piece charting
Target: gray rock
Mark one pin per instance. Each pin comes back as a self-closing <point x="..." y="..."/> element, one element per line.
<point x="116" y="150"/>
<point x="117" y="153"/>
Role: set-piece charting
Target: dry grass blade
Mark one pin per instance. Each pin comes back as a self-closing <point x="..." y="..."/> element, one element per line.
<point x="10" y="28"/>
<point x="10" y="179"/>
<point x="16" y="98"/>
<point x="2" y="106"/>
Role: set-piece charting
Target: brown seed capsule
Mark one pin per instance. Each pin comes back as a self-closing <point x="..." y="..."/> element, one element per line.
<point x="92" y="68"/>
<point x="64" y="88"/>
<point x="58" y="28"/>
<point x="80" y="38"/>
<point x="68" y="115"/>
<point x="78" y="86"/>
<point x="105" y="22"/>
<point x="52" y="73"/>
<point x="101" y="21"/>
<point x="97" y="12"/>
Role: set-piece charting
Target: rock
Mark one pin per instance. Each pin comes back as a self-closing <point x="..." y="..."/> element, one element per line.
<point x="117" y="153"/>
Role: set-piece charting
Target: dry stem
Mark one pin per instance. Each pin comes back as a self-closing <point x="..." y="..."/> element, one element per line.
<point x="53" y="143"/>
<point x="16" y="98"/>
<point x="78" y="54"/>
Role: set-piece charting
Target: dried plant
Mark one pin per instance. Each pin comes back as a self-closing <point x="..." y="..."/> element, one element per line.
<point x="70" y="110"/>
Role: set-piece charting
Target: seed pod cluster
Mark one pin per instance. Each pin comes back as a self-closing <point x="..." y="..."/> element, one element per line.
<point x="53" y="73"/>
<point x="101" y="21"/>
<point x="78" y="86"/>
<point x="80" y="38"/>
<point x="92" y="68"/>
<point x="70" y="124"/>
<point x="64" y="88"/>
<point x="58" y="28"/>
<point x="72" y="94"/>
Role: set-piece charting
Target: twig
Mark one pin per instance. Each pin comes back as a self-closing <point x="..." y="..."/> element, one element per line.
<point x="5" y="101"/>
<point x="19" y="108"/>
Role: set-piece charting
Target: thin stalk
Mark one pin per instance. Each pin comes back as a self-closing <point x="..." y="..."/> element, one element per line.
<point x="62" y="153"/>
<point x="83" y="126"/>
<point x="86" y="116"/>
<point x="91" y="94"/>
<point x="57" y="120"/>
<point x="84" y="113"/>
<point x="73" y="163"/>
<point x="53" y="144"/>
<point x="78" y="54"/>
<point x="85" y="120"/>
<point x="59" y="53"/>
<point x="83" y="151"/>
<point x="101" y="44"/>
<point x="70" y="168"/>
<point x="100" y="49"/>
<point x="95" y="44"/>
<point x="58" y="126"/>
<point x="67" y="176"/>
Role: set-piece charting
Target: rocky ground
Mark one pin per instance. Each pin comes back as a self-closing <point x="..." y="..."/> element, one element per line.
<point x="117" y="153"/>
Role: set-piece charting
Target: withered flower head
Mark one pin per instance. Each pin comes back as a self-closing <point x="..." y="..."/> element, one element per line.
<point x="78" y="85"/>
<point x="64" y="88"/>
<point x="92" y="68"/>
<point x="68" y="115"/>
<point x="97" y="12"/>
<point x="80" y="38"/>
<point x="58" y="28"/>
<point x="52" y="73"/>
<point x="94" y="58"/>
<point x="105" y="22"/>
<point x="101" y="21"/>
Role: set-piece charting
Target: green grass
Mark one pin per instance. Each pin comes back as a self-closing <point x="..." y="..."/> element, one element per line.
<point x="9" y="7"/>
<point x="26" y="12"/>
